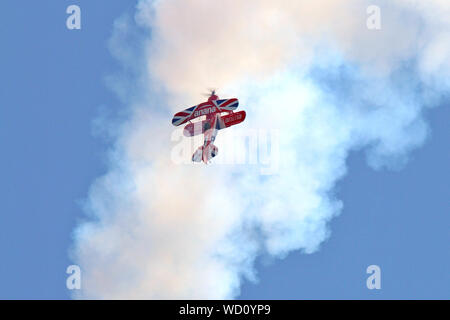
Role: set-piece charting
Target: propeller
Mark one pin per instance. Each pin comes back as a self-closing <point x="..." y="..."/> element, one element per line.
<point x="212" y="92"/>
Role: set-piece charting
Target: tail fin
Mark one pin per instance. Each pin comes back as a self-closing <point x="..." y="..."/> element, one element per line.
<point x="209" y="152"/>
<point x="212" y="151"/>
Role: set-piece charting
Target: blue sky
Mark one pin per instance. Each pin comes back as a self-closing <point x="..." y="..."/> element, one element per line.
<point x="395" y="219"/>
<point x="52" y="88"/>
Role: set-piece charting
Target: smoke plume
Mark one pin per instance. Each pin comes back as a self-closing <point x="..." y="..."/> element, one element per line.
<point x="316" y="83"/>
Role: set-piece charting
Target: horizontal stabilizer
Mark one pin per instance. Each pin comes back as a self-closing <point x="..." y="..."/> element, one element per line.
<point x="198" y="155"/>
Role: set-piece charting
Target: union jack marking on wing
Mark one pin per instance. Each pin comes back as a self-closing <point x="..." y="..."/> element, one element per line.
<point x="227" y="104"/>
<point x="183" y="116"/>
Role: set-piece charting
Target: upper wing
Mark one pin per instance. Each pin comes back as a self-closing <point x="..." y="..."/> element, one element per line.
<point x="227" y="104"/>
<point x="189" y="113"/>
<point x="183" y="116"/>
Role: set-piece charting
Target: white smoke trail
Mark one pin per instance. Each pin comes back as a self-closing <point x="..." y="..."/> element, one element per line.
<point x="311" y="70"/>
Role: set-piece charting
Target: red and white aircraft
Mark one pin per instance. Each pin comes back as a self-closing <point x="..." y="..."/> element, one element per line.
<point x="218" y="115"/>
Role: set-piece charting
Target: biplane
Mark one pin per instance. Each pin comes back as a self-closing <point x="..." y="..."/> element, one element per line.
<point x="217" y="114"/>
